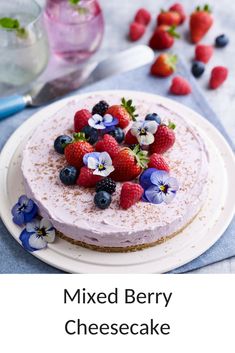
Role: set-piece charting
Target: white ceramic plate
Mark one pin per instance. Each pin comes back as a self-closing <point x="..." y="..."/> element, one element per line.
<point x="200" y="235"/>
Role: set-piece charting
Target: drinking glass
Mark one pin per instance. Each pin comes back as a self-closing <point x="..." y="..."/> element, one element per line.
<point x="23" y="47"/>
<point x="75" y="28"/>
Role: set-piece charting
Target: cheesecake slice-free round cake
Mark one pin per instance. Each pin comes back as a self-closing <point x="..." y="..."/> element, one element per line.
<point x="153" y="200"/>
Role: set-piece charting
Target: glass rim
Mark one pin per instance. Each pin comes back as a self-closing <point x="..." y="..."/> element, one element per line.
<point x="31" y="23"/>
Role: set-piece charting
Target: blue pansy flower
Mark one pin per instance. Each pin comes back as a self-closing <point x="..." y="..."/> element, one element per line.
<point x="100" y="162"/>
<point x="24" y="210"/>
<point x="163" y="188"/>
<point x="100" y="122"/>
<point x="37" y="234"/>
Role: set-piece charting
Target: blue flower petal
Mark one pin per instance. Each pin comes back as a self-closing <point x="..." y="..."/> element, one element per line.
<point x="154" y="195"/>
<point x="23" y="199"/>
<point x="112" y="123"/>
<point x="29" y="206"/>
<point x="92" y="154"/>
<point x="145" y="180"/>
<point x="14" y="209"/>
<point x="24" y="238"/>
<point x="28" y="217"/>
<point x="159" y="177"/>
<point x="18" y="218"/>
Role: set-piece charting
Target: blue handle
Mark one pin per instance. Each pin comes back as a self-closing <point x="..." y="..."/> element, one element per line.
<point x="11" y="105"/>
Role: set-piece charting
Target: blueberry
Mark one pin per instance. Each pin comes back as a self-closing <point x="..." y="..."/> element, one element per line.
<point x="60" y="142"/>
<point x="102" y="199"/>
<point x="68" y="175"/>
<point x="118" y="134"/>
<point x="91" y="134"/>
<point x="153" y="117"/>
<point x="198" y="68"/>
<point x="221" y="41"/>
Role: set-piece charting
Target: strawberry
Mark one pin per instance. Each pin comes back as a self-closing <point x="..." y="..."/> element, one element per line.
<point x="180" y="86"/>
<point x="130" y="139"/>
<point x="219" y="74"/>
<point x="75" y="150"/>
<point x="129" y="164"/>
<point x="169" y="18"/>
<point x="130" y="194"/>
<point x="124" y="112"/>
<point x="158" y="162"/>
<point x="164" y="65"/>
<point x="201" y="21"/>
<point x="143" y="17"/>
<point x="164" y="138"/>
<point x="108" y="144"/>
<point x="203" y="53"/>
<point x="163" y="37"/>
<point x="136" y="31"/>
<point x="179" y="8"/>
<point x="87" y="179"/>
<point x="81" y="119"/>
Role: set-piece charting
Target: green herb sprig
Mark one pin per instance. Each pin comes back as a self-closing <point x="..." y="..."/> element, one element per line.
<point x="12" y="24"/>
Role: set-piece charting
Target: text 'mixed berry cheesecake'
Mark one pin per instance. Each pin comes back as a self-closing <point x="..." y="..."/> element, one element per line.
<point x="115" y="174"/>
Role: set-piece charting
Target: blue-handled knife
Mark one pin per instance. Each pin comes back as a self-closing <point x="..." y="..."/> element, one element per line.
<point x="44" y="93"/>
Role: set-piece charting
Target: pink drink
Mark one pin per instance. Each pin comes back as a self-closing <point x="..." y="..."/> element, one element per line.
<point x="75" y="31"/>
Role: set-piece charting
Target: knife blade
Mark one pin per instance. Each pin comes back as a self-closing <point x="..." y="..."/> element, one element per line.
<point x="44" y="93"/>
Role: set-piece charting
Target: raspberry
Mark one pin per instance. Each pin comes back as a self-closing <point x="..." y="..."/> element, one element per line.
<point x="143" y="17"/>
<point x="130" y="194"/>
<point x="137" y="31"/>
<point x="81" y="119"/>
<point x="203" y="53"/>
<point x="219" y="74"/>
<point x="158" y="162"/>
<point x="180" y="86"/>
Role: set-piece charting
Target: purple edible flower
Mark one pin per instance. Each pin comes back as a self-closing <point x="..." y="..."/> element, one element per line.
<point x="24" y="210"/>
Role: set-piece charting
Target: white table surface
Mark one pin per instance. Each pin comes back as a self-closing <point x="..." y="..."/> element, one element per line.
<point x="118" y="15"/>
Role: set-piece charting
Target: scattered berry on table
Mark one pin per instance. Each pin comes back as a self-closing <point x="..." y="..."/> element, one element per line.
<point x="102" y="199"/>
<point x="129" y="164"/>
<point x="108" y="144"/>
<point x="164" y="65"/>
<point x="221" y="41"/>
<point x="100" y="108"/>
<point x="68" y="175"/>
<point x="130" y="139"/>
<point x="164" y="138"/>
<point x="106" y="184"/>
<point x="124" y="112"/>
<point x="153" y="117"/>
<point x="131" y="193"/>
<point x="219" y="75"/>
<point x="157" y="161"/>
<point x="180" y="86"/>
<point x="198" y="68"/>
<point x="143" y="17"/>
<point x="75" y="151"/>
<point x="163" y="37"/>
<point x="81" y="119"/>
<point x="91" y="134"/>
<point x="203" y="53"/>
<point x="179" y="8"/>
<point x="87" y="179"/>
<point x="136" y="31"/>
<point x="201" y="21"/>
<point x="118" y="134"/>
<point x="60" y="143"/>
<point x="169" y="18"/>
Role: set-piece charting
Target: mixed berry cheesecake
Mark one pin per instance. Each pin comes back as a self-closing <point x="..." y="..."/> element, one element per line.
<point x="116" y="174"/>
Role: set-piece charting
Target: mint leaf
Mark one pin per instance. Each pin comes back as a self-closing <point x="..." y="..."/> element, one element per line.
<point x="9" y="23"/>
<point x="74" y="2"/>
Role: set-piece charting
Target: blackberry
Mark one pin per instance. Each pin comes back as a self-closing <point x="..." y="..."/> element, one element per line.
<point x="100" y="108"/>
<point x="107" y="185"/>
<point x="102" y="199"/>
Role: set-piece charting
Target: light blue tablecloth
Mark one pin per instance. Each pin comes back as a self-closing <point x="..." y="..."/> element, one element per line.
<point x="14" y="259"/>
